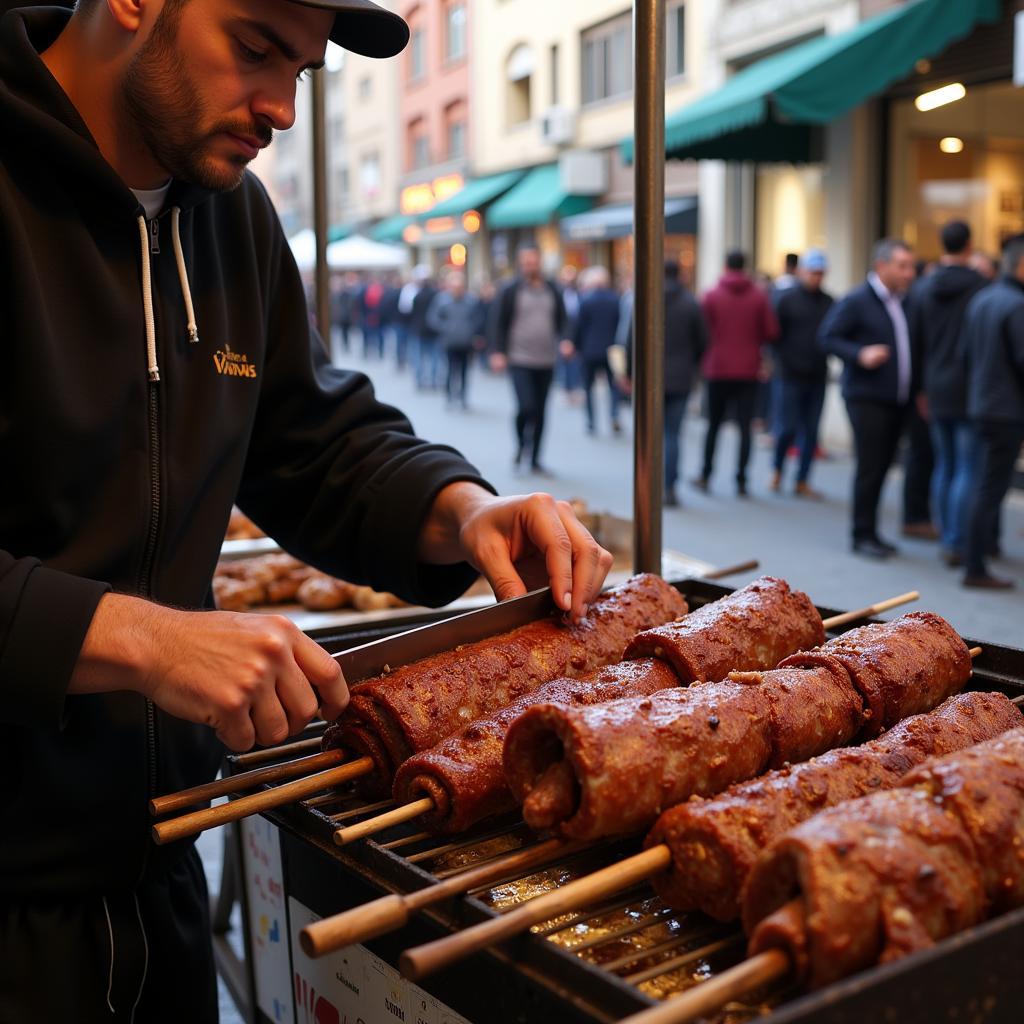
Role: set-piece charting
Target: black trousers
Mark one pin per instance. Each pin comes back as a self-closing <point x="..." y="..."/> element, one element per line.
<point x="918" y="466"/>
<point x="458" y="366"/>
<point x="998" y="444"/>
<point x="531" y="387"/>
<point x="138" y="956"/>
<point x="876" y="434"/>
<point x="741" y="397"/>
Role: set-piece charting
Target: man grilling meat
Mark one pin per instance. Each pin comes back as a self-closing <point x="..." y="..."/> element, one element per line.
<point x="157" y="363"/>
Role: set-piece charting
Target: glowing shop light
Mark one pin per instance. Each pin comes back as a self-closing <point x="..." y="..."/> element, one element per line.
<point x="940" y="97"/>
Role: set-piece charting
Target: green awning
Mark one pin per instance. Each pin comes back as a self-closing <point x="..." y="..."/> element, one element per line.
<point x="391" y="228"/>
<point x="537" y="199"/>
<point x="767" y="111"/>
<point x="475" y="194"/>
<point x="339" y="232"/>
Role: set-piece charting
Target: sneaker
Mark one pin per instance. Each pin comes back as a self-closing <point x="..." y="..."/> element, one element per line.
<point x="871" y="548"/>
<point x="741" y="489"/>
<point x="804" y="490"/>
<point x="538" y="470"/>
<point x="616" y="427"/>
<point x="920" y="531"/>
<point x="700" y="483"/>
<point x="776" y="482"/>
<point x="953" y="559"/>
<point x="672" y="499"/>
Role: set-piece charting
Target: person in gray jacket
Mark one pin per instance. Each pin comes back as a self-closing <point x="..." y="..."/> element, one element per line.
<point x="458" y="320"/>
<point x="992" y="341"/>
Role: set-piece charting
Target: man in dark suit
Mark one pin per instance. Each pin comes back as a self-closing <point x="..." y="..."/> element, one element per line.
<point x="868" y="330"/>
<point x="596" y="326"/>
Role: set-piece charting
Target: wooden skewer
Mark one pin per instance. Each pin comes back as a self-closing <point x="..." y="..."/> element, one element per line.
<point x="871" y="609"/>
<point x="371" y="826"/>
<point x="731" y="570"/>
<point x="258" y="757"/>
<point x="247" y="780"/>
<point x="390" y="912"/>
<point x="423" y="960"/>
<point x="710" y="996"/>
<point x="198" y="821"/>
<point x="406" y="812"/>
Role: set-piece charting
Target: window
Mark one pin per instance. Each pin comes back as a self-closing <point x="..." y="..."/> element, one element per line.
<point x="518" y="72"/>
<point x="455" y="129"/>
<point x="417" y="144"/>
<point x="369" y="175"/>
<point x="455" y="31"/>
<point x="675" y="40"/>
<point x="417" y="54"/>
<point x="365" y="87"/>
<point x="607" y="59"/>
<point x="553" y="71"/>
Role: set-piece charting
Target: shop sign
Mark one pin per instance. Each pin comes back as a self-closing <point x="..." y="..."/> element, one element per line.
<point x="425" y="195"/>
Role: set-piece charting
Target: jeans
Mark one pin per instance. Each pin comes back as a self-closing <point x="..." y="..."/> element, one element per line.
<point x="428" y="363"/>
<point x="798" y="413"/>
<point x="531" y="388"/>
<point x="373" y="341"/>
<point x="591" y="369"/>
<point x="742" y="396"/>
<point x="955" y="458"/>
<point x="877" y="428"/>
<point x="998" y="445"/>
<point x="675" y="412"/>
<point x="458" y="365"/>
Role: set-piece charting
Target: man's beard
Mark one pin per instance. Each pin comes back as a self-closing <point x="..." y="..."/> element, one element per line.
<point x="165" y="109"/>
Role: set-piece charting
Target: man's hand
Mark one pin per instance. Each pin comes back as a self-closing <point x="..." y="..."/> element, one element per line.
<point x="518" y="543"/>
<point x="498" y="361"/>
<point x="873" y="356"/>
<point x="566" y="348"/>
<point x="251" y="678"/>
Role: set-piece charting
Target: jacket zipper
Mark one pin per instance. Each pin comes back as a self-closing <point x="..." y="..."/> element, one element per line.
<point x="149" y="552"/>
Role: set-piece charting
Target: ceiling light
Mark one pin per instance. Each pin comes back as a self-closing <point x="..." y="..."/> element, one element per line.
<point x="940" y="97"/>
<point x="951" y="144"/>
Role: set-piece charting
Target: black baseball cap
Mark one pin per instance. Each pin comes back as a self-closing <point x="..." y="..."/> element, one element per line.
<point x="364" y="27"/>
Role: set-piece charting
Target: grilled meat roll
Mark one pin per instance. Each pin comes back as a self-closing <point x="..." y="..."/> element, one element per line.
<point x="412" y="708"/>
<point x="901" y="667"/>
<point x="613" y="768"/>
<point x="464" y="775"/>
<point x="753" y="628"/>
<point x="716" y="842"/>
<point x="877" y="878"/>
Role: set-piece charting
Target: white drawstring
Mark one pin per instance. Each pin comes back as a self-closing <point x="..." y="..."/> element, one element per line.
<point x="179" y="256"/>
<point x="147" y="303"/>
<point x="110" y="979"/>
<point x="145" y="962"/>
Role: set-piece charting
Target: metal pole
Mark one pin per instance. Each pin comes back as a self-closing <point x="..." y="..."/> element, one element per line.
<point x="322" y="291"/>
<point x="648" y="283"/>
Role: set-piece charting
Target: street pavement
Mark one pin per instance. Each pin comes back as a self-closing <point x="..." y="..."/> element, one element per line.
<point x="803" y="541"/>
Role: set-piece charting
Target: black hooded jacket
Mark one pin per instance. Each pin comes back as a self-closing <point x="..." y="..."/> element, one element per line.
<point x="937" y="308"/>
<point x="114" y="480"/>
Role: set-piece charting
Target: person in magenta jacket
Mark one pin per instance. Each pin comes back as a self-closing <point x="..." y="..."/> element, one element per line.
<point x="740" y="320"/>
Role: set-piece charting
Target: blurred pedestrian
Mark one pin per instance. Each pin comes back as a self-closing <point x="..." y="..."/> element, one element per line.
<point x="993" y="346"/>
<point x="530" y="330"/>
<point x="740" y="320"/>
<point x="789" y="278"/>
<point x="984" y="265"/>
<point x="596" y="328"/>
<point x="371" y="299"/>
<point x="569" y="369"/>
<point x="344" y="313"/>
<point x="686" y="340"/>
<point x="428" y="355"/>
<point x="801" y="369"/>
<point x="457" y="318"/>
<point x="390" y="319"/>
<point x="868" y="330"/>
<point x="937" y="316"/>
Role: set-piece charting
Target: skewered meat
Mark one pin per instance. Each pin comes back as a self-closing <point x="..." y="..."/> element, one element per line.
<point x="901" y="667"/>
<point x="874" y="879"/>
<point x="464" y="775"/>
<point x="612" y="768"/>
<point x="753" y="628"/>
<point x="412" y="708"/>
<point x="716" y="842"/>
<point x="324" y="593"/>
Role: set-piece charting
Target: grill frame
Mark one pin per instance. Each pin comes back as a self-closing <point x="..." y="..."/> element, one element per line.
<point x="972" y="976"/>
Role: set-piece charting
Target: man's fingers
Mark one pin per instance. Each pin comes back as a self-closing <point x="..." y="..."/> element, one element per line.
<point x="494" y="561"/>
<point x="547" y="533"/>
<point x="269" y="718"/>
<point x="590" y="562"/>
<point x="298" y="698"/>
<point x="324" y="674"/>
<point x="237" y="734"/>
